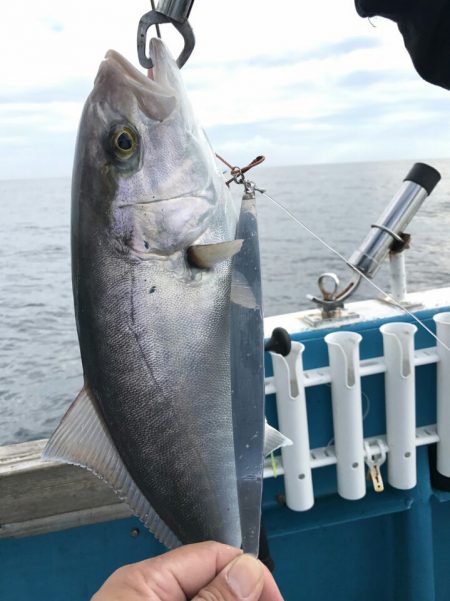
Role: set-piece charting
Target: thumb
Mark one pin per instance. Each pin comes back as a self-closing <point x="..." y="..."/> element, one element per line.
<point x="242" y="580"/>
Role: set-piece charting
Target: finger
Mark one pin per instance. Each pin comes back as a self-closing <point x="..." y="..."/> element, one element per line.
<point x="270" y="592"/>
<point x="243" y="580"/>
<point x="181" y="573"/>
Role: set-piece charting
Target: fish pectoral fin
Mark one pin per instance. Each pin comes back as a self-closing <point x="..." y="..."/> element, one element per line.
<point x="273" y="440"/>
<point x="82" y="439"/>
<point x="206" y="256"/>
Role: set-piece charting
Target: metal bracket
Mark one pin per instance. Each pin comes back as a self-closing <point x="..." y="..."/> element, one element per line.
<point x="179" y="10"/>
<point x="332" y="301"/>
<point x="374" y="460"/>
<point x="317" y="318"/>
<point x="156" y="18"/>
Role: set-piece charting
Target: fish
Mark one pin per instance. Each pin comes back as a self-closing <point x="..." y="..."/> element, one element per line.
<point x="153" y="230"/>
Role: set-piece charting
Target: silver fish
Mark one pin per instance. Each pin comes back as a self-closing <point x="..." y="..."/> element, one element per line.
<point x="153" y="235"/>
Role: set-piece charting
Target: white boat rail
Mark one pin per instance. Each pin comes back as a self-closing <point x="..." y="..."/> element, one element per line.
<point x="350" y="450"/>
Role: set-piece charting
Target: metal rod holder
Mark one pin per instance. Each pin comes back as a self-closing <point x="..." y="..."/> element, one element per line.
<point x="418" y="184"/>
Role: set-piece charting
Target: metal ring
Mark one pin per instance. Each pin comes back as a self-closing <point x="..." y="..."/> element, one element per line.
<point x="328" y="294"/>
<point x="388" y="231"/>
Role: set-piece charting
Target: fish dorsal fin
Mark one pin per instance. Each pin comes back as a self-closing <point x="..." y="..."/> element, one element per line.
<point x="273" y="440"/>
<point x="82" y="439"/>
<point x="206" y="256"/>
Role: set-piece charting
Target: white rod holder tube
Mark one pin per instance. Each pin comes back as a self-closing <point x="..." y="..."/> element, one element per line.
<point x="343" y="351"/>
<point x="443" y="393"/>
<point x="293" y="423"/>
<point x="397" y="264"/>
<point x="400" y="393"/>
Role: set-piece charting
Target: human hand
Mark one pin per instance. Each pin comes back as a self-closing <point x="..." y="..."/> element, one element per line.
<point x="202" y="572"/>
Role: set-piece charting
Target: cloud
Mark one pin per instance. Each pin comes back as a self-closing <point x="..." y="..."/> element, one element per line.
<point x="315" y="84"/>
<point x="342" y="47"/>
<point x="360" y="79"/>
<point x="277" y="58"/>
<point x="37" y="139"/>
<point x="49" y="155"/>
<point x="366" y="130"/>
<point x="36" y="118"/>
<point x="74" y="90"/>
<point x="54" y="25"/>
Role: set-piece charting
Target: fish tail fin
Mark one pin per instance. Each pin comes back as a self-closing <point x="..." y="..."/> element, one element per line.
<point x="82" y="439"/>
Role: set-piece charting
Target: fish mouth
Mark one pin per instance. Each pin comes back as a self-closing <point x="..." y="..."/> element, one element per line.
<point x="128" y="70"/>
<point x="163" y="63"/>
<point x="117" y="77"/>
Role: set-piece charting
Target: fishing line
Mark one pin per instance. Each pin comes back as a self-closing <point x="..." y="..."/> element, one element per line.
<point x="363" y="275"/>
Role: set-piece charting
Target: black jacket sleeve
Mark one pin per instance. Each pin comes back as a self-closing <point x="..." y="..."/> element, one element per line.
<point x="425" y="26"/>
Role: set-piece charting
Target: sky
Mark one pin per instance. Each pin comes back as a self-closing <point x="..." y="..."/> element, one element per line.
<point x="307" y="82"/>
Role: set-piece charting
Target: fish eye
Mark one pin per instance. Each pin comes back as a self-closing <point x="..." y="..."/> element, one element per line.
<point x="124" y="142"/>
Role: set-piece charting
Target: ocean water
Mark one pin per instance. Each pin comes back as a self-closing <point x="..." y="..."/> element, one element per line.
<point x="40" y="370"/>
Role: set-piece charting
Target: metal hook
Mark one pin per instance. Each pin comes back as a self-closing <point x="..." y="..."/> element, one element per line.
<point x="155" y="18"/>
<point x="333" y="298"/>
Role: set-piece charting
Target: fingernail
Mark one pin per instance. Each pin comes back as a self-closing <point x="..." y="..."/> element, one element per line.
<point x="244" y="576"/>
